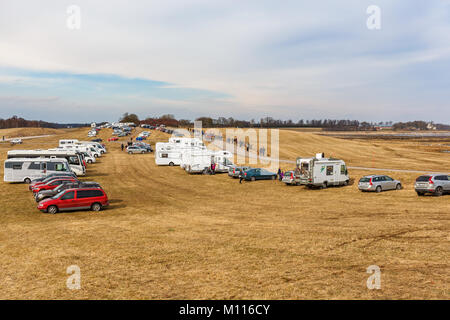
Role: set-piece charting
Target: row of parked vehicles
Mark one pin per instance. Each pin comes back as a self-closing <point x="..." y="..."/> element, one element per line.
<point x="52" y="175"/>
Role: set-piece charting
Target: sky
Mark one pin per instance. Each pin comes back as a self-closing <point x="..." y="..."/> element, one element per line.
<point x="244" y="59"/>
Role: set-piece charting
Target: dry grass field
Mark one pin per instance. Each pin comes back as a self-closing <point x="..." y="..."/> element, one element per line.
<point x="168" y="235"/>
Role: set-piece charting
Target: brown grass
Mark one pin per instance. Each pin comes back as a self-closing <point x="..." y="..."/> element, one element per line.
<point x="169" y="235"/>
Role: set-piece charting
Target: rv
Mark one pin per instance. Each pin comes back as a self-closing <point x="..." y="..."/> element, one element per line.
<point x="198" y="161"/>
<point x="88" y="155"/>
<point x="321" y="172"/>
<point x="28" y="169"/>
<point x="73" y="157"/>
<point x="186" y="142"/>
<point x="222" y="161"/>
<point x="166" y="154"/>
<point x="97" y="146"/>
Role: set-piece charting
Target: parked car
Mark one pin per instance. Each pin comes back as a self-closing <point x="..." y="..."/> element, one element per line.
<point x="437" y="184"/>
<point x="122" y="134"/>
<point x="75" y="199"/>
<point x="378" y="183"/>
<point x="52" y="176"/>
<point x="234" y="172"/>
<point x="44" y="194"/>
<point x="289" y="178"/>
<point x="96" y="140"/>
<point x="258" y="174"/>
<point x="52" y="184"/>
<point x="16" y="141"/>
<point x="144" y="145"/>
<point x="113" y="139"/>
<point x="141" y="138"/>
<point x="136" y="149"/>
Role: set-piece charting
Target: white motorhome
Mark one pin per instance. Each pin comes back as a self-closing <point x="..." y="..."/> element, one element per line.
<point x="97" y="146"/>
<point x="186" y="142"/>
<point x="222" y="160"/>
<point x="28" y="169"/>
<point x="321" y="172"/>
<point x="198" y="161"/>
<point x="73" y="157"/>
<point x="88" y="156"/>
<point x="167" y="154"/>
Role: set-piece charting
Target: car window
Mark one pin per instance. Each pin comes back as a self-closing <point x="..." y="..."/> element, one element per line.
<point x="423" y="178"/>
<point x="388" y="178"/>
<point x="68" y="196"/>
<point x="441" y="178"/>
<point x="364" y="179"/>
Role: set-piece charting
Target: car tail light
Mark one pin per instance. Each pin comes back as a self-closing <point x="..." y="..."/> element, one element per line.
<point x="245" y="173"/>
<point x="234" y="171"/>
<point x="370" y="182"/>
<point x="430" y="181"/>
<point x="84" y="163"/>
<point x="292" y="175"/>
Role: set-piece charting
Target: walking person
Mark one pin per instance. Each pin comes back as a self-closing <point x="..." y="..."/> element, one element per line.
<point x="122" y="146"/>
<point x="279" y="174"/>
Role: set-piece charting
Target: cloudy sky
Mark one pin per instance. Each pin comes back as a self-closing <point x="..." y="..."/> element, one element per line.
<point x="244" y="59"/>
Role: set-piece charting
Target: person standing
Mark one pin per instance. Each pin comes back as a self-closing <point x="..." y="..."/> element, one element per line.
<point x="122" y="146"/>
<point x="279" y="173"/>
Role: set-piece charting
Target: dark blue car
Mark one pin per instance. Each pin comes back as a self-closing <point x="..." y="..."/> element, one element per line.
<point x="258" y="174"/>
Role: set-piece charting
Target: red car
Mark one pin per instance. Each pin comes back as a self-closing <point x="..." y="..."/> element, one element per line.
<point x="52" y="184"/>
<point x="113" y="139"/>
<point x="75" y="199"/>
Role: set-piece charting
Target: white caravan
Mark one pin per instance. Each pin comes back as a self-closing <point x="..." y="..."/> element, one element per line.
<point x="167" y="153"/>
<point x="98" y="148"/>
<point x="28" y="169"/>
<point x="321" y="172"/>
<point x="88" y="155"/>
<point x="73" y="157"/>
<point x="198" y="161"/>
<point x="222" y="160"/>
<point x="187" y="142"/>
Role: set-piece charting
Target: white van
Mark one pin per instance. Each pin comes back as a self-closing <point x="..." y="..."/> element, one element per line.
<point x="167" y="154"/>
<point x="222" y="160"/>
<point x="198" y="161"/>
<point x="321" y="172"/>
<point x="73" y="157"/>
<point x="27" y="169"/>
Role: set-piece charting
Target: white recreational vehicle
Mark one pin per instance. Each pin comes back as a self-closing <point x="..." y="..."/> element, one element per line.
<point x="187" y="142"/>
<point x="167" y="154"/>
<point x="197" y="161"/>
<point x="73" y="157"/>
<point x="321" y="172"/>
<point x="28" y="169"/>
<point x="98" y="148"/>
<point x="222" y="160"/>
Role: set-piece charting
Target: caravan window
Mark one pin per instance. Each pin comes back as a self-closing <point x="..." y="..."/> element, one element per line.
<point x="60" y="166"/>
<point x="329" y="170"/>
<point x="35" y="166"/>
<point x="343" y="169"/>
<point x="17" y="165"/>
<point x="164" y="155"/>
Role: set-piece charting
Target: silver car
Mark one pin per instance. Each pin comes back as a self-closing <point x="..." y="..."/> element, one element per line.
<point x="437" y="184"/>
<point x="136" y="149"/>
<point x="378" y="183"/>
<point x="234" y="172"/>
<point x="289" y="178"/>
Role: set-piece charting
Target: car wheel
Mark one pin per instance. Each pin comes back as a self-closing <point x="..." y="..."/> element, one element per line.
<point x="420" y="194"/>
<point x="438" y="192"/>
<point x="129" y="152"/>
<point x="95" y="155"/>
<point x="346" y="183"/>
<point x="325" y="185"/>
<point x="142" y="152"/>
<point x="398" y="187"/>
<point x="171" y="164"/>
<point x="378" y="189"/>
<point x="52" y="209"/>
<point x="27" y="180"/>
<point x="96" y="207"/>
<point x="89" y="161"/>
<point x="252" y="178"/>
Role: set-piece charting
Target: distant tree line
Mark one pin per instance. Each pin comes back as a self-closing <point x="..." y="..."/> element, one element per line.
<point x="17" y="122"/>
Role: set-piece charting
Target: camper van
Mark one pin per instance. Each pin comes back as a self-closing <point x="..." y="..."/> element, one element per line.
<point x="321" y="172"/>
<point x="28" y="169"/>
<point x="222" y="160"/>
<point x="198" y="161"/>
<point x="97" y="147"/>
<point x="187" y="142"/>
<point x="73" y="157"/>
<point x="167" y="154"/>
<point x="88" y="156"/>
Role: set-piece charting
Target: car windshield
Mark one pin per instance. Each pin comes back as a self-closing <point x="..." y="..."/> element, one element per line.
<point x="423" y="178"/>
<point x="59" y="194"/>
<point x="365" y="179"/>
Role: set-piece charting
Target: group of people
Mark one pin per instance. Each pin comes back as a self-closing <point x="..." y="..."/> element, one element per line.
<point x="129" y="143"/>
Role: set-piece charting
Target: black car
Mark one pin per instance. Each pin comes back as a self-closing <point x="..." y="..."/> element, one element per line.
<point x="96" y="140"/>
<point x="44" y="194"/>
